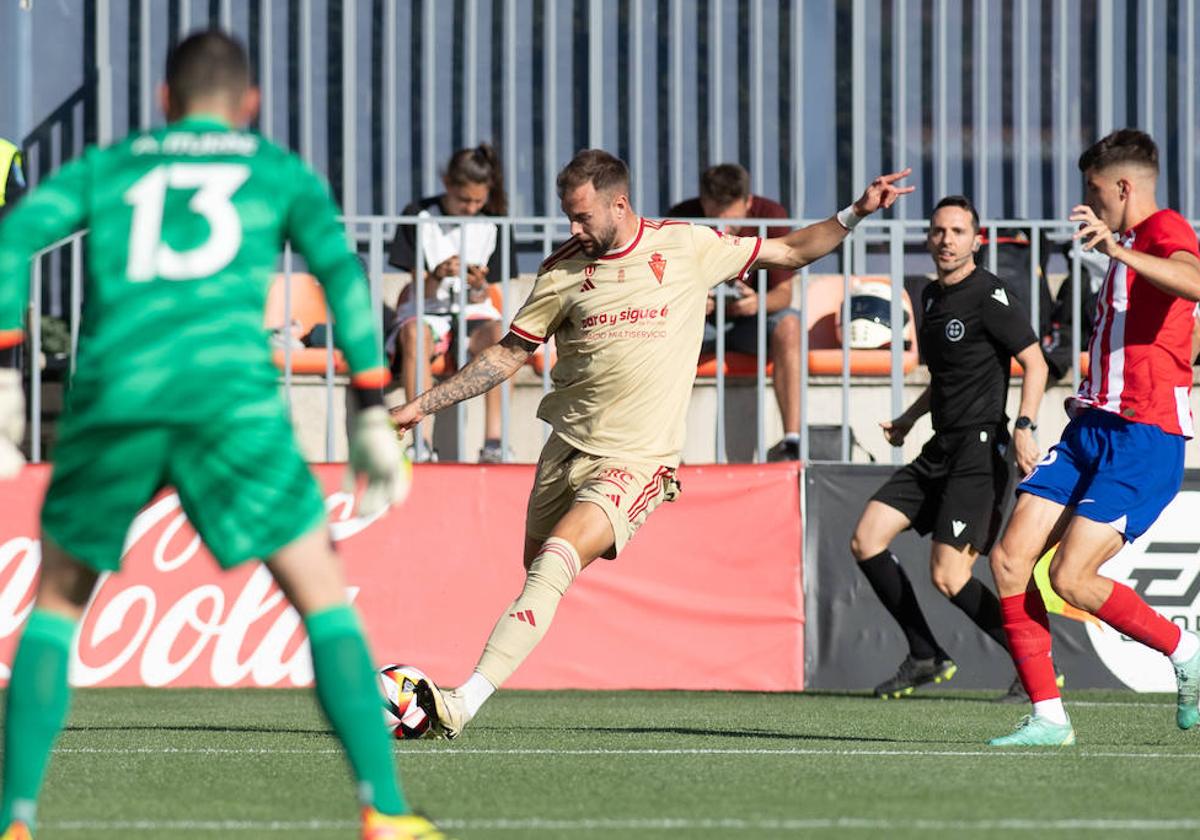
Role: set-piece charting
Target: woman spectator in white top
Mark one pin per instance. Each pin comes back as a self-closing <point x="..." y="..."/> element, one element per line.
<point x="474" y="186"/>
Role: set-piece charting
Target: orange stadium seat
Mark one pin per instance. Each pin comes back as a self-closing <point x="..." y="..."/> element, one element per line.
<point x="1015" y="366"/>
<point x="823" y="311"/>
<point x="445" y="365"/>
<point x="308" y="310"/>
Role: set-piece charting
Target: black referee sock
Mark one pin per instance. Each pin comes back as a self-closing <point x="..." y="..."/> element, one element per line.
<point x="894" y="589"/>
<point x="983" y="607"/>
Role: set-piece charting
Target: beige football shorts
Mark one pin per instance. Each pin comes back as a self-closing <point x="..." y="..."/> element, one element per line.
<point x="627" y="491"/>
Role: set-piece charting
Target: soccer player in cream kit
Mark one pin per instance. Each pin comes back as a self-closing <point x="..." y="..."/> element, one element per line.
<point x="625" y="300"/>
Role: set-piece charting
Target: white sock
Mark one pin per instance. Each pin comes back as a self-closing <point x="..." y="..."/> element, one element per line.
<point x="1189" y="643"/>
<point x="1051" y="710"/>
<point x="475" y="692"/>
<point x="791" y="437"/>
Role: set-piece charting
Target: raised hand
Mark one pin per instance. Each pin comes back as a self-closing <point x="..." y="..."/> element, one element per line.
<point x="882" y="193"/>
<point x="1096" y="235"/>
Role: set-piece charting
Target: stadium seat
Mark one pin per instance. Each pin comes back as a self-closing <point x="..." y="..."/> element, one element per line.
<point x="736" y="364"/>
<point x="823" y="310"/>
<point x="1016" y="372"/>
<point x="308" y="309"/>
<point x="445" y="365"/>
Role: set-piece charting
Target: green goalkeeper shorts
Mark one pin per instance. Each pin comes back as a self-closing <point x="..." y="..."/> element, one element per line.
<point x="241" y="481"/>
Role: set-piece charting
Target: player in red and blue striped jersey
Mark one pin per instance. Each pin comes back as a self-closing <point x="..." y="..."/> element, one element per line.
<point x="1120" y="460"/>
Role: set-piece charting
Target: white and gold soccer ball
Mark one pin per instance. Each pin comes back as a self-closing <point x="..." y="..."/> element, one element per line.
<point x="401" y="713"/>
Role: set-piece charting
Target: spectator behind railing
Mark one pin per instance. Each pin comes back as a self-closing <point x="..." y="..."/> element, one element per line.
<point x="725" y="194"/>
<point x="474" y="183"/>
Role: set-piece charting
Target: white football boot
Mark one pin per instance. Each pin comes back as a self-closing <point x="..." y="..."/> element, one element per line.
<point x="446" y="709"/>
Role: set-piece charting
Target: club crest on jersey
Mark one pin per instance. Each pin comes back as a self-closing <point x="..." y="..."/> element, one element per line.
<point x="620" y="275"/>
<point x="658" y="265"/>
<point x="955" y="330"/>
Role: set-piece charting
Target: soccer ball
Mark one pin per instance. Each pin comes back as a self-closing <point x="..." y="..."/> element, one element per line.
<point x="401" y="713"/>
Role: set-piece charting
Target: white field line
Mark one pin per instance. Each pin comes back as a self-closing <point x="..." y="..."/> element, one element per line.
<point x="645" y="751"/>
<point x="659" y="824"/>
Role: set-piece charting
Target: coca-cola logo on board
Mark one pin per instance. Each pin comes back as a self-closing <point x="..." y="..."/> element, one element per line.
<point x="193" y="626"/>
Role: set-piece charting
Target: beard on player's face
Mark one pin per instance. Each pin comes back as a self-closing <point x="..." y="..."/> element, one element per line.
<point x="599" y="241"/>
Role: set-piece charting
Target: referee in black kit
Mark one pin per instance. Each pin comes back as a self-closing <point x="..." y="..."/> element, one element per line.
<point x="955" y="489"/>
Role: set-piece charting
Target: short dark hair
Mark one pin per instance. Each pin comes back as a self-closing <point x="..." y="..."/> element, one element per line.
<point x="480" y="165"/>
<point x="725" y="183"/>
<point x="1125" y="145"/>
<point x="961" y="202"/>
<point x="603" y="171"/>
<point x="207" y="63"/>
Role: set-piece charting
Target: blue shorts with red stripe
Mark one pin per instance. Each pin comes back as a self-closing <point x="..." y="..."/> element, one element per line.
<point x="1111" y="470"/>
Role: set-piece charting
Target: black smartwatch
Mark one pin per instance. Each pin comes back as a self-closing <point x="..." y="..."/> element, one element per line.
<point x="1024" y="422"/>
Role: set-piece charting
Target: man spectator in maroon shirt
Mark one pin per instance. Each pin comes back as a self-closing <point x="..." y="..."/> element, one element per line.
<point x="725" y="194"/>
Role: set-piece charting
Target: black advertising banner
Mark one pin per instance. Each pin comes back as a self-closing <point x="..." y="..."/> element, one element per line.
<point x="851" y="643"/>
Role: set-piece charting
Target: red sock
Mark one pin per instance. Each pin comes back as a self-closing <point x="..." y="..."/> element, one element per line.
<point x="1028" y="630"/>
<point x="1126" y="612"/>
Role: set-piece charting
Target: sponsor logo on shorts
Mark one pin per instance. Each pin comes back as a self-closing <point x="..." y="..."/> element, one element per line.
<point x="616" y="475"/>
<point x="955" y="330"/>
<point x="1162" y="568"/>
<point x="957" y="526"/>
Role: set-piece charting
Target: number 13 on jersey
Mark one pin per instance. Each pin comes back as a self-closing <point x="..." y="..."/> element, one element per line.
<point x="215" y="184"/>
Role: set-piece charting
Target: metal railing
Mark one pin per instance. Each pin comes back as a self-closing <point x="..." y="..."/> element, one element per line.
<point x="891" y="248"/>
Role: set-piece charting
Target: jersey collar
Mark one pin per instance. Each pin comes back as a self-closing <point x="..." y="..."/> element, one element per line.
<point x="620" y="252"/>
<point x="202" y="121"/>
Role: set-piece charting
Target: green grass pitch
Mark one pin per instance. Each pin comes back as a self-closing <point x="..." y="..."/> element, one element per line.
<point x="139" y="763"/>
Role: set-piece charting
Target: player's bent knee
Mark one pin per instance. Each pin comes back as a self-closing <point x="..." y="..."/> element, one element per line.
<point x="948" y="583"/>
<point x="65" y="583"/>
<point x="1007" y="569"/>
<point x="555" y="566"/>
<point x="864" y="547"/>
<point x="1067" y="582"/>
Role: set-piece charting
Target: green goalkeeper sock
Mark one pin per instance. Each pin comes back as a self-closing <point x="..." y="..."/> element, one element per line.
<point x="348" y="690"/>
<point x="38" y="696"/>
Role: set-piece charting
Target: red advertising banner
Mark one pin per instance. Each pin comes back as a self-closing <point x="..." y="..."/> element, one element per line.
<point x="707" y="596"/>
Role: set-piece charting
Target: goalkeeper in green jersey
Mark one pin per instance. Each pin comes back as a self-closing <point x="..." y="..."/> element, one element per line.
<point x="174" y="384"/>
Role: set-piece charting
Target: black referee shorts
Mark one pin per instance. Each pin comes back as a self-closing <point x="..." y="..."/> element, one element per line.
<point x="957" y="488"/>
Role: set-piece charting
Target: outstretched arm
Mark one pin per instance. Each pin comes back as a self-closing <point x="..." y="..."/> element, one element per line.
<point x="802" y="246"/>
<point x="484" y="372"/>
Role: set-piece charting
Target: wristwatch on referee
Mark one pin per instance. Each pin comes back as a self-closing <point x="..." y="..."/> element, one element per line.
<point x="1024" y="422"/>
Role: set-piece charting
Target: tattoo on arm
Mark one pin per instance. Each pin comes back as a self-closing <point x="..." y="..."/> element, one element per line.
<point x="484" y="372"/>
